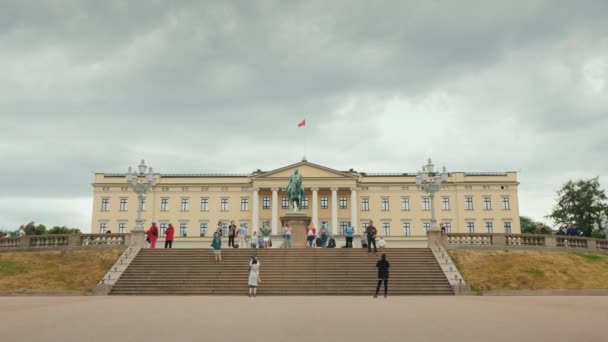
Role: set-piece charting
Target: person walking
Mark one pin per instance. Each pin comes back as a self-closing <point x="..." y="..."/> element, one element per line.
<point x="217" y="247"/>
<point x="266" y="233"/>
<point x="231" y="234"/>
<point x="383" y="267"/>
<point x="241" y="233"/>
<point x="254" y="276"/>
<point x="288" y="233"/>
<point x="311" y="232"/>
<point x="371" y="232"/>
<point x="349" y="232"/>
<point x="254" y="240"/>
<point x="169" y="233"/>
<point x="153" y="235"/>
<point x="324" y="234"/>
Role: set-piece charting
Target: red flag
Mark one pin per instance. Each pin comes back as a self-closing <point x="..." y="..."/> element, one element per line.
<point x="302" y="123"/>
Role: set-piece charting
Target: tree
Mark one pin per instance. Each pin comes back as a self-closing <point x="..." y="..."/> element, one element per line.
<point x="528" y="226"/>
<point x="63" y="230"/>
<point x="580" y="204"/>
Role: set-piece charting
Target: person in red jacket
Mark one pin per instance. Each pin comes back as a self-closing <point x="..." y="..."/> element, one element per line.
<point x="169" y="233"/>
<point x="153" y="235"/>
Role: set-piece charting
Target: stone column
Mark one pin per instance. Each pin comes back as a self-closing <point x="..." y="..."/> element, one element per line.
<point x="353" y="208"/>
<point x="315" y="207"/>
<point x="256" y="211"/>
<point x="275" y="211"/>
<point x="335" y="228"/>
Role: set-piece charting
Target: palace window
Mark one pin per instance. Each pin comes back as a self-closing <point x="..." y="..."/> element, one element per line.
<point x="343" y="225"/>
<point x="405" y="204"/>
<point x="244" y="204"/>
<point x="204" y="204"/>
<point x="324" y="202"/>
<point x="105" y="204"/>
<point x="407" y="228"/>
<point x="445" y="203"/>
<point x="505" y="203"/>
<point x="385" y="204"/>
<point x="343" y="202"/>
<point x="386" y="228"/>
<point x="103" y="227"/>
<point x="487" y="203"/>
<point x="142" y="204"/>
<point x="507" y="226"/>
<point x="468" y="203"/>
<point x="163" y="228"/>
<point x="266" y="202"/>
<point x="285" y="202"/>
<point x="183" y="229"/>
<point x="123" y="204"/>
<point x="426" y="203"/>
<point x="224" y="204"/>
<point x="426" y="226"/>
<point x="122" y="227"/>
<point x="447" y="226"/>
<point x="304" y="204"/>
<point x="470" y="227"/>
<point x="364" y="226"/>
<point x="184" y="205"/>
<point x="489" y="227"/>
<point x="164" y="204"/>
<point x="365" y="204"/>
<point x="204" y="229"/>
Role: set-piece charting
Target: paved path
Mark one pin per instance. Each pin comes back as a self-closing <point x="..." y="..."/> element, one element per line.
<point x="454" y="319"/>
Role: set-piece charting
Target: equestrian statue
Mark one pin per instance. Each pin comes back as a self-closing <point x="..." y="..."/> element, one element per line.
<point x="295" y="190"/>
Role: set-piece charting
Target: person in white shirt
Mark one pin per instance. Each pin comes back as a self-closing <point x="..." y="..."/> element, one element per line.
<point x="241" y="233"/>
<point x="381" y="243"/>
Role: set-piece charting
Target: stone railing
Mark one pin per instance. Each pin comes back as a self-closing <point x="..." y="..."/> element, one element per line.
<point x="71" y="241"/>
<point x="506" y="241"/>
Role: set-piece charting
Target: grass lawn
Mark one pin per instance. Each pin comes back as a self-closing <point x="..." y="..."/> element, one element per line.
<point x="531" y="270"/>
<point x="54" y="271"/>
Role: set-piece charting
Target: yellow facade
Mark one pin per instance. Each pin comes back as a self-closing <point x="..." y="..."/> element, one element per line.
<point x="193" y="203"/>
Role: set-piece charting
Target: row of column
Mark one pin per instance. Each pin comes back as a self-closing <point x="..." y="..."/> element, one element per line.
<point x="315" y="209"/>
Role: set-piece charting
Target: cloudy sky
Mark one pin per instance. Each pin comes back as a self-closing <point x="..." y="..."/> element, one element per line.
<point x="206" y="86"/>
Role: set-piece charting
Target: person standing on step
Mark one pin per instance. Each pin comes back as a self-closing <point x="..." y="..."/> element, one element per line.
<point x="311" y="232"/>
<point x="266" y="231"/>
<point x="324" y="234"/>
<point x="371" y="238"/>
<point x="169" y="233"/>
<point x="383" y="267"/>
<point x="241" y="233"/>
<point x="254" y="276"/>
<point x="216" y="243"/>
<point x="349" y="232"/>
<point x="153" y="235"/>
<point x="288" y="233"/>
<point x="220" y="228"/>
<point x="231" y="234"/>
<point x="254" y="240"/>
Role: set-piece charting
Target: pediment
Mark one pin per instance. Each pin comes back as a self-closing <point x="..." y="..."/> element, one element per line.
<point x="307" y="170"/>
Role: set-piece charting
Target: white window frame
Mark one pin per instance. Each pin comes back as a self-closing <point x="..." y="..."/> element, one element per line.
<point x="183" y="227"/>
<point x="426" y="203"/>
<point x="405" y="203"/>
<point x="164" y="204"/>
<point x="386" y="228"/>
<point x="469" y="203"/>
<point x="506" y="203"/>
<point x="406" y="228"/>
<point x="224" y="204"/>
<point x="244" y="204"/>
<point x="508" y="227"/>
<point x="103" y="227"/>
<point x="122" y="227"/>
<point x="385" y="204"/>
<point x="343" y="202"/>
<point x="445" y="203"/>
<point x="105" y="204"/>
<point x="324" y="202"/>
<point x="487" y="203"/>
<point x="203" y="229"/>
<point x="489" y="227"/>
<point x="470" y="227"/>
<point x="266" y="199"/>
<point x="124" y="204"/>
<point x="184" y="204"/>
<point x="365" y="204"/>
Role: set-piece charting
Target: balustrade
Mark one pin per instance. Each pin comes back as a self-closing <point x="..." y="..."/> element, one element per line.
<point x="52" y="241"/>
<point x="525" y="240"/>
<point x="9" y="242"/>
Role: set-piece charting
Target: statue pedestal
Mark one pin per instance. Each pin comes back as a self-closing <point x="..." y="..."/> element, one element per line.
<point x="298" y="222"/>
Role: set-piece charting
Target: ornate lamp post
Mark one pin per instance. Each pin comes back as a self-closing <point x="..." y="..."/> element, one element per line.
<point x="141" y="182"/>
<point x="431" y="183"/>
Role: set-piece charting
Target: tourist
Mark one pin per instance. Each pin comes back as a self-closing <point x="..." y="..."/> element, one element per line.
<point x="571" y="231"/>
<point x="217" y="247"/>
<point x="169" y="233"/>
<point x="153" y="235"/>
<point x="363" y="241"/>
<point x="254" y="276"/>
<point x="288" y="233"/>
<point x="242" y="235"/>
<point x="383" y="267"/>
<point x="310" y="235"/>
<point x="254" y="240"/>
<point x="220" y="228"/>
<point x="108" y="231"/>
<point x="561" y="231"/>
<point x="331" y="243"/>
<point x="324" y="233"/>
<point x="266" y="234"/>
<point x="371" y="232"/>
<point x="381" y="243"/>
<point x="231" y="234"/>
<point x="349" y="233"/>
<point x="22" y="230"/>
<point x="260" y="241"/>
<point x="442" y="226"/>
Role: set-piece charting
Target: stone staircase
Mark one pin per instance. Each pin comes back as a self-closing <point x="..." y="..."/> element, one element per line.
<point x="341" y="271"/>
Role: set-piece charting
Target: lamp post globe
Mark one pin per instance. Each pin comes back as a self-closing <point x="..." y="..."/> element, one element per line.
<point x="430" y="182"/>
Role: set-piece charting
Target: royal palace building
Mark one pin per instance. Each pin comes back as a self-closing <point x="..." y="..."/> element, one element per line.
<point x="473" y="202"/>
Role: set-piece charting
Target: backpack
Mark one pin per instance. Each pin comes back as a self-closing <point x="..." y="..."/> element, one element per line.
<point x="323" y="231"/>
<point x="155" y="232"/>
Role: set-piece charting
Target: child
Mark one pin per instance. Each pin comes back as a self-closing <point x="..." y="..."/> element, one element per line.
<point x="217" y="247"/>
<point x="254" y="240"/>
<point x="381" y="243"/>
